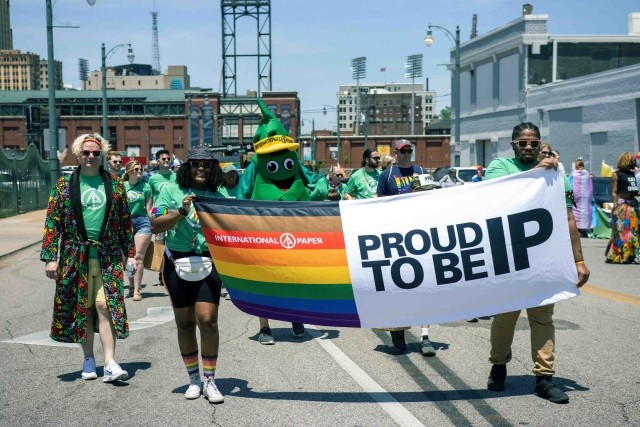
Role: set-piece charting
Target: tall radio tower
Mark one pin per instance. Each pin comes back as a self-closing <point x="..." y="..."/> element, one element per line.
<point x="155" y="54"/>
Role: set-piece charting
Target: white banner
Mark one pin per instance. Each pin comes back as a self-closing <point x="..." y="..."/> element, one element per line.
<point x="461" y="252"/>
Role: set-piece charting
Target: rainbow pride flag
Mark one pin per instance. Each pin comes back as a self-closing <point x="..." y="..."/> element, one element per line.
<point x="281" y="260"/>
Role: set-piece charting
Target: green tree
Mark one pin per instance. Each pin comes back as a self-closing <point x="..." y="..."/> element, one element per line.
<point x="445" y="113"/>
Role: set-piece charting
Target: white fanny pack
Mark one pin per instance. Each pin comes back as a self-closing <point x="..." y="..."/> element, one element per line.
<point x="191" y="268"/>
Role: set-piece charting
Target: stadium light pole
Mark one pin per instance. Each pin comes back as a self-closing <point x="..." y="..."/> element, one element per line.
<point x="413" y="69"/>
<point x="358" y="71"/>
<point x="428" y="40"/>
<point x="105" y="55"/>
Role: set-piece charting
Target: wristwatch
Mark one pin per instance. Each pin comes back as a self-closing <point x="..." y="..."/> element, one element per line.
<point x="182" y="212"/>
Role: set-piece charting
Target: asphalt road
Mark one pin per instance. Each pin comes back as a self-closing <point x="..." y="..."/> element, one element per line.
<point x="332" y="377"/>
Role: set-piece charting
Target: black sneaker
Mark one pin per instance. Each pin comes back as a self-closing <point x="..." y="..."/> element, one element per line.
<point x="546" y="389"/>
<point x="426" y="348"/>
<point x="497" y="377"/>
<point x="265" y="338"/>
<point x="397" y="338"/>
<point x="298" y="329"/>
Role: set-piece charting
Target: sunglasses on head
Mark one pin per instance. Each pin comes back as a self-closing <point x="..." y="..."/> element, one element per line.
<point x="95" y="153"/>
<point x="524" y="142"/>
<point x="198" y="165"/>
<point x="406" y="151"/>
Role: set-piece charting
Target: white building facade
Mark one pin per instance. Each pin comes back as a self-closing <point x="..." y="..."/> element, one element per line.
<point x="582" y="91"/>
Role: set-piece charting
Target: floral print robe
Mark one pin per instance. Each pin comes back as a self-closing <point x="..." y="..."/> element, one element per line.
<point x="64" y="225"/>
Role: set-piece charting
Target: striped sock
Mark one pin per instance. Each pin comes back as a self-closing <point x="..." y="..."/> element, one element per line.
<point x="209" y="365"/>
<point x="191" y="363"/>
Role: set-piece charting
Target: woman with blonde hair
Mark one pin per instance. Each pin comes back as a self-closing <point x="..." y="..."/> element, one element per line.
<point x="623" y="245"/>
<point x="140" y="199"/>
<point x="386" y="161"/>
<point x="87" y="233"/>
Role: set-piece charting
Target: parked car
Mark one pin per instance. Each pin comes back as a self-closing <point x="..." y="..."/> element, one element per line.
<point x="602" y="193"/>
<point x="464" y="173"/>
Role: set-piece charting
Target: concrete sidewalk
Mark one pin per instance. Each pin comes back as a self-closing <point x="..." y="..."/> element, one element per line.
<point x="21" y="231"/>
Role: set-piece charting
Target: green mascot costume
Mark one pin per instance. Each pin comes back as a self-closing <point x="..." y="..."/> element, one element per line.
<point x="275" y="172"/>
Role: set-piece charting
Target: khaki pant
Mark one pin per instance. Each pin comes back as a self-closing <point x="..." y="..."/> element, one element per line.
<point x="542" y="338"/>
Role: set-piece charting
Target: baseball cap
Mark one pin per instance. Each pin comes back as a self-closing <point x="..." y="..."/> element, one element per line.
<point x="401" y="143"/>
<point x="229" y="168"/>
<point x="198" y="152"/>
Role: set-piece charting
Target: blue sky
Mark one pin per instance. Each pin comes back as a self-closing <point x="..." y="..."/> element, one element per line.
<point x="313" y="42"/>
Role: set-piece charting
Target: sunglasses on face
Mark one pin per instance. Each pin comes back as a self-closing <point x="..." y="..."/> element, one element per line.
<point x="376" y="158"/>
<point x="522" y="143"/>
<point x="117" y="162"/>
<point x="547" y="153"/>
<point x="137" y="170"/>
<point x="96" y="153"/>
<point x="406" y="151"/>
<point x="198" y="165"/>
<point x="165" y="159"/>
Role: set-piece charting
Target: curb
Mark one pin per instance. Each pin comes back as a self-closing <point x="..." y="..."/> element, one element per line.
<point x="19" y="249"/>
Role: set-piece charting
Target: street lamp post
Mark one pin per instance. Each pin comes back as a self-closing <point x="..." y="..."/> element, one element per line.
<point x="428" y="40"/>
<point x="338" y="142"/>
<point x="54" y="163"/>
<point x="131" y="57"/>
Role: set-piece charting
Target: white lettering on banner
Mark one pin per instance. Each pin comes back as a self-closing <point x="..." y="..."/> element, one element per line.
<point x="286" y="240"/>
<point x="468" y="251"/>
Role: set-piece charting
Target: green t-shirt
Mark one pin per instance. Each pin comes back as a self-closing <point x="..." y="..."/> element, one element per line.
<point x="228" y="192"/>
<point x="502" y="166"/>
<point x="138" y="195"/>
<point x="93" y="199"/>
<point x="187" y="234"/>
<point x="158" y="180"/>
<point x="362" y="184"/>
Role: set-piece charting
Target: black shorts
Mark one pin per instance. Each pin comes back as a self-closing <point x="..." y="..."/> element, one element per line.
<point x="184" y="293"/>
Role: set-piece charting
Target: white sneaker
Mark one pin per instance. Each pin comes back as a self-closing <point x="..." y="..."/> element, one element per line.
<point x="113" y="372"/>
<point x="89" y="369"/>
<point x="193" y="392"/>
<point x="211" y="392"/>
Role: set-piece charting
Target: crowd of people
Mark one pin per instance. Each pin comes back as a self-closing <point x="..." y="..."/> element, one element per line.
<point x="101" y="220"/>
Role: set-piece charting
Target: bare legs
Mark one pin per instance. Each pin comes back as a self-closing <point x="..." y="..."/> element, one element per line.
<point x="142" y="243"/>
<point x="205" y="316"/>
<point x="105" y="328"/>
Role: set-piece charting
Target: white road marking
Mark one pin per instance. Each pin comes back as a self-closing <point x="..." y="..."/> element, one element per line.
<point x="390" y="405"/>
<point x="156" y="316"/>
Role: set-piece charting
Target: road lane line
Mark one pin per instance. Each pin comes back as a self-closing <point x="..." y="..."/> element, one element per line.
<point x="390" y="405"/>
<point x="612" y="295"/>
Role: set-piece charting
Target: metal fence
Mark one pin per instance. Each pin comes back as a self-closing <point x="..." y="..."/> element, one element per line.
<point x="25" y="182"/>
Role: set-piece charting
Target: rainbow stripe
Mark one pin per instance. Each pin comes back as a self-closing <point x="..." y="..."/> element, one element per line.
<point x="281" y="260"/>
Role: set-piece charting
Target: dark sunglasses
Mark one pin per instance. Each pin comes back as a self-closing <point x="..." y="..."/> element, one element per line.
<point x="548" y="153"/>
<point x="96" y="153"/>
<point x="376" y="158"/>
<point x="117" y="162"/>
<point x="164" y="159"/>
<point x="406" y="151"/>
<point x="524" y="142"/>
<point x="137" y="169"/>
<point x="198" y="165"/>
